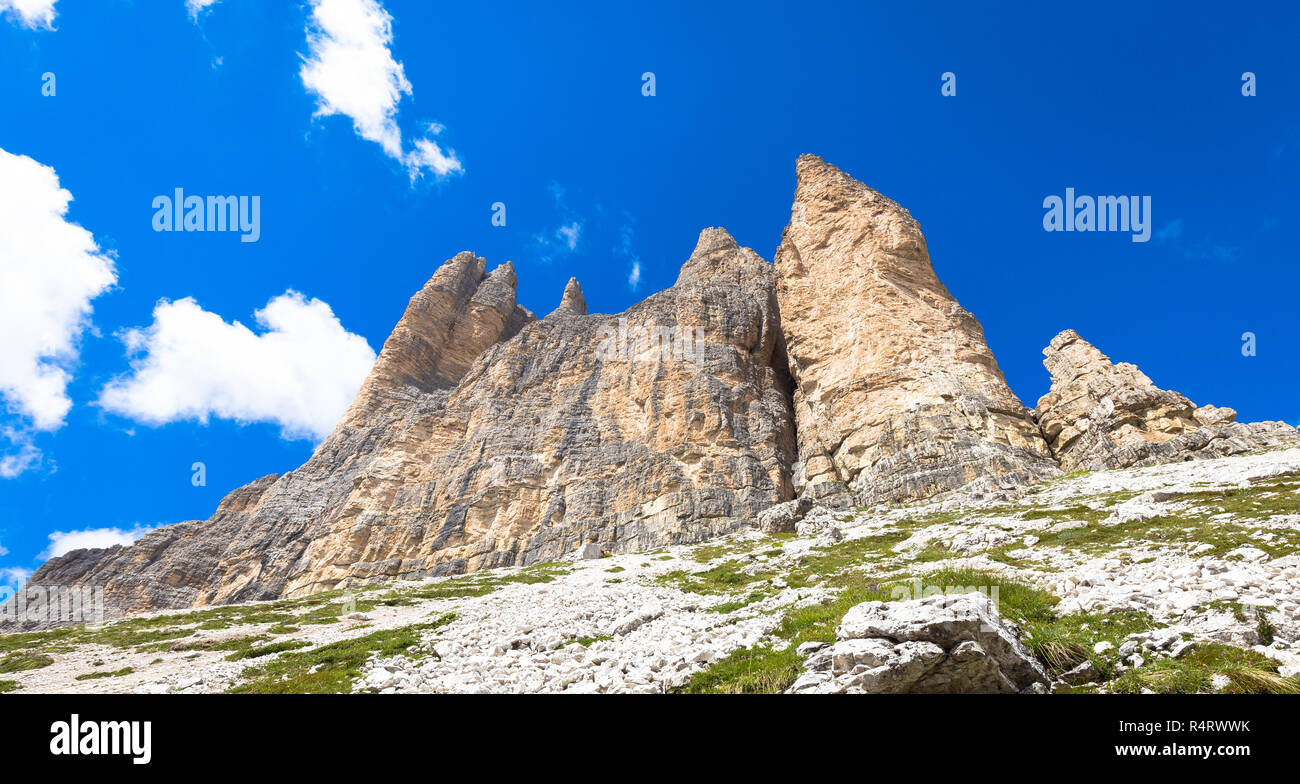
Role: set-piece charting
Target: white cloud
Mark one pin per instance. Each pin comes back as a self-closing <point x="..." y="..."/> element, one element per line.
<point x="352" y="72"/>
<point x="197" y="7"/>
<point x="626" y="248"/>
<point x="564" y="239"/>
<point x="30" y="13"/>
<point x="13" y="577"/>
<point x="428" y="155"/>
<point x="25" y="458"/>
<point x="569" y="234"/>
<point x="301" y="372"/>
<point x="51" y="269"/>
<point x="64" y="542"/>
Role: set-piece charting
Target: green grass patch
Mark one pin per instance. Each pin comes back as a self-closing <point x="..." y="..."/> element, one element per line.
<point x="332" y="668"/>
<point x="21" y="662"/>
<point x="585" y="641"/>
<point x="725" y="577"/>
<point x="91" y="676"/>
<point x="1076" y="513"/>
<point x="712" y="552"/>
<point x="757" y="670"/>
<point x="257" y="651"/>
<point x="1248" y="673"/>
<point x="738" y="604"/>
<point x="764" y="669"/>
<point x="837" y="565"/>
<point x="1065" y="642"/>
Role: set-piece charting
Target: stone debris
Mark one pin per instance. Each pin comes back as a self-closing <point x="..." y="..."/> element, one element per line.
<point x="620" y="624"/>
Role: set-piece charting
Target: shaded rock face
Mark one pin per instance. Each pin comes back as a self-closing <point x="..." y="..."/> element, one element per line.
<point x="485" y="437"/>
<point x="936" y="645"/>
<point x="1100" y="415"/>
<point x="898" y="395"/>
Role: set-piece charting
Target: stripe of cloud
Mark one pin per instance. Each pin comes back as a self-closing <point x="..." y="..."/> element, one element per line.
<point x="351" y="70"/>
<point x="626" y="248"/>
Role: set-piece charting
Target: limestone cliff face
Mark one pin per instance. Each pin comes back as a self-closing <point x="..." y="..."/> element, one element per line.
<point x="1101" y="415"/>
<point x="484" y="437"/>
<point x="897" y="394"/>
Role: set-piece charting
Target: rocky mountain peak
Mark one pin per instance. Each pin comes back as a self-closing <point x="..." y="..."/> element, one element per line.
<point x="573" y="303"/>
<point x="1099" y="414"/>
<point x="718" y="258"/>
<point x="1069" y="357"/>
<point x="898" y="395"/>
<point x="459" y="312"/>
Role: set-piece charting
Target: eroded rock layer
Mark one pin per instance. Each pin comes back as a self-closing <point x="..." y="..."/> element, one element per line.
<point x="1100" y="414"/>
<point x="484" y="437"/>
<point x="897" y="394"/>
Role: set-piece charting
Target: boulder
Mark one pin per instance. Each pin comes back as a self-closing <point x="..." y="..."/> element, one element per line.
<point x="783" y="517"/>
<point x="937" y="644"/>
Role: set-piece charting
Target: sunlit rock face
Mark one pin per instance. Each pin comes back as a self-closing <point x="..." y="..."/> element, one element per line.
<point x="484" y="437"/>
<point x="1100" y="414"/>
<point x="897" y="394"/>
<point x="845" y="373"/>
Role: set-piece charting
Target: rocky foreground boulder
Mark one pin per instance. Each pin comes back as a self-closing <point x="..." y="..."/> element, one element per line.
<point x="935" y="645"/>
<point x="1100" y="415"/>
<point x="845" y="374"/>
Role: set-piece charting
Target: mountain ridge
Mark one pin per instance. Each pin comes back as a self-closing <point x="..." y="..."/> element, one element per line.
<point x="843" y="373"/>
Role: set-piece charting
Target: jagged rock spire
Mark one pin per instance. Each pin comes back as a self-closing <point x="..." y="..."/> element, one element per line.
<point x="459" y="312"/>
<point x="572" y="303"/>
<point x="1100" y="414"/>
<point x="898" y="394"/>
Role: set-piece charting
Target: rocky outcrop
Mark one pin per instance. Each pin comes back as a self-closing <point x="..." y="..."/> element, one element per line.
<point x="844" y="374"/>
<point x="1101" y="415"/>
<point x="572" y="303"/>
<point x="897" y="394"/>
<point x="935" y="645"/>
<point x="485" y="437"/>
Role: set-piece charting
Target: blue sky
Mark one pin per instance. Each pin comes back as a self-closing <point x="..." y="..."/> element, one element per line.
<point x="365" y="187"/>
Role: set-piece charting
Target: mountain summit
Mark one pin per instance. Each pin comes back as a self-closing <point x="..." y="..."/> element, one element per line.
<point x="843" y="374"/>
